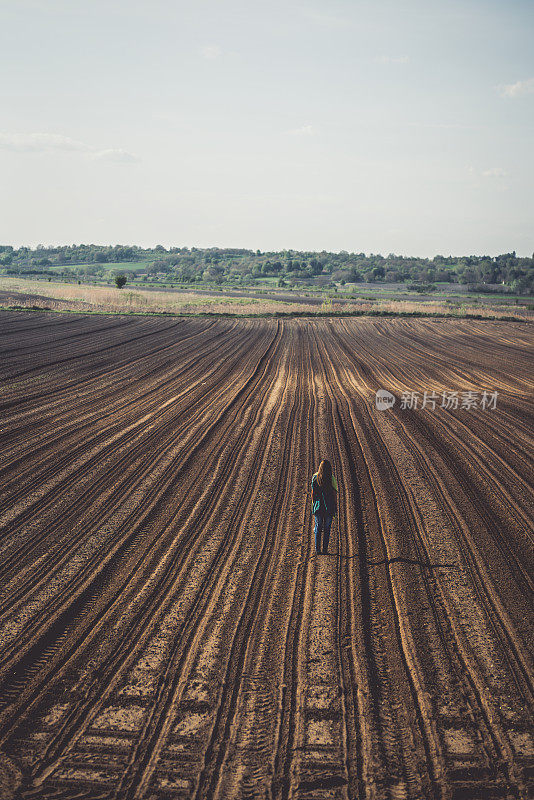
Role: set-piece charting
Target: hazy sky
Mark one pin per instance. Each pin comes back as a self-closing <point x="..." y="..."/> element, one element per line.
<point x="381" y="126"/>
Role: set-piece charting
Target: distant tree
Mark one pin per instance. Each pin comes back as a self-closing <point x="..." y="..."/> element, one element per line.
<point x="120" y="281"/>
<point x="354" y="275"/>
<point x="121" y="253"/>
<point x="469" y="275"/>
<point x="523" y="285"/>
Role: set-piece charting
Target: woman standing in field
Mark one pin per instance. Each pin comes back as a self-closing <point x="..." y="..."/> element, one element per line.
<point x="324" y="500"/>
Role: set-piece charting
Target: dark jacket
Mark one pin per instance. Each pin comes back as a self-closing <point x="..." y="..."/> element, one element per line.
<point x="324" y="501"/>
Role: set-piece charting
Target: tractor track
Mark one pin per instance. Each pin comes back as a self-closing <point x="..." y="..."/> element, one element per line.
<point x="167" y="630"/>
<point x="112" y="668"/>
<point x="113" y="439"/>
<point x="123" y="542"/>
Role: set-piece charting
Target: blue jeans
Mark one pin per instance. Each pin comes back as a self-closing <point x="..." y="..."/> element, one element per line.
<point x="322" y="526"/>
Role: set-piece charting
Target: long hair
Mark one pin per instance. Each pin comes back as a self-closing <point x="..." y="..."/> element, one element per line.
<point x="324" y="474"/>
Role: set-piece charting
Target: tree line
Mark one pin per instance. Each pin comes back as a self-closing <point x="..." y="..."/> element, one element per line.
<point x="240" y="265"/>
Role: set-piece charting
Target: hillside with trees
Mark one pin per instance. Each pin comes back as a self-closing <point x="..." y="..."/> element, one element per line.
<point x="214" y="265"/>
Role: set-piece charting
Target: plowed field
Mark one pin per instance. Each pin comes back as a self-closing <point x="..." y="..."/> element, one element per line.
<point x="166" y="630"/>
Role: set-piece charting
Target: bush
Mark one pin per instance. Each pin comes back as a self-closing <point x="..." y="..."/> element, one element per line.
<point x="120" y="281"/>
<point x="422" y="287"/>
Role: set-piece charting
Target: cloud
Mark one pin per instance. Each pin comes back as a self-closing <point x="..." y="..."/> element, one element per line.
<point x="517" y="89"/>
<point x="491" y="172"/>
<point x="392" y="59"/>
<point x="118" y="155"/>
<point x="210" y="52"/>
<point x="40" y="142"/>
<point x="494" y="172"/>
<point x="56" y="142"/>
<point x="304" y="130"/>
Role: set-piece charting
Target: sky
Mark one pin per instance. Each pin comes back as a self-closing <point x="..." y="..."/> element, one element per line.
<point x="372" y="126"/>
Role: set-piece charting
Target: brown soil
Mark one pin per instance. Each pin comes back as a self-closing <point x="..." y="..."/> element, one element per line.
<point x="165" y="628"/>
<point x="12" y="299"/>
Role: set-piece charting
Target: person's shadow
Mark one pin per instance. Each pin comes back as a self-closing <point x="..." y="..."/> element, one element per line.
<point x="397" y="560"/>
